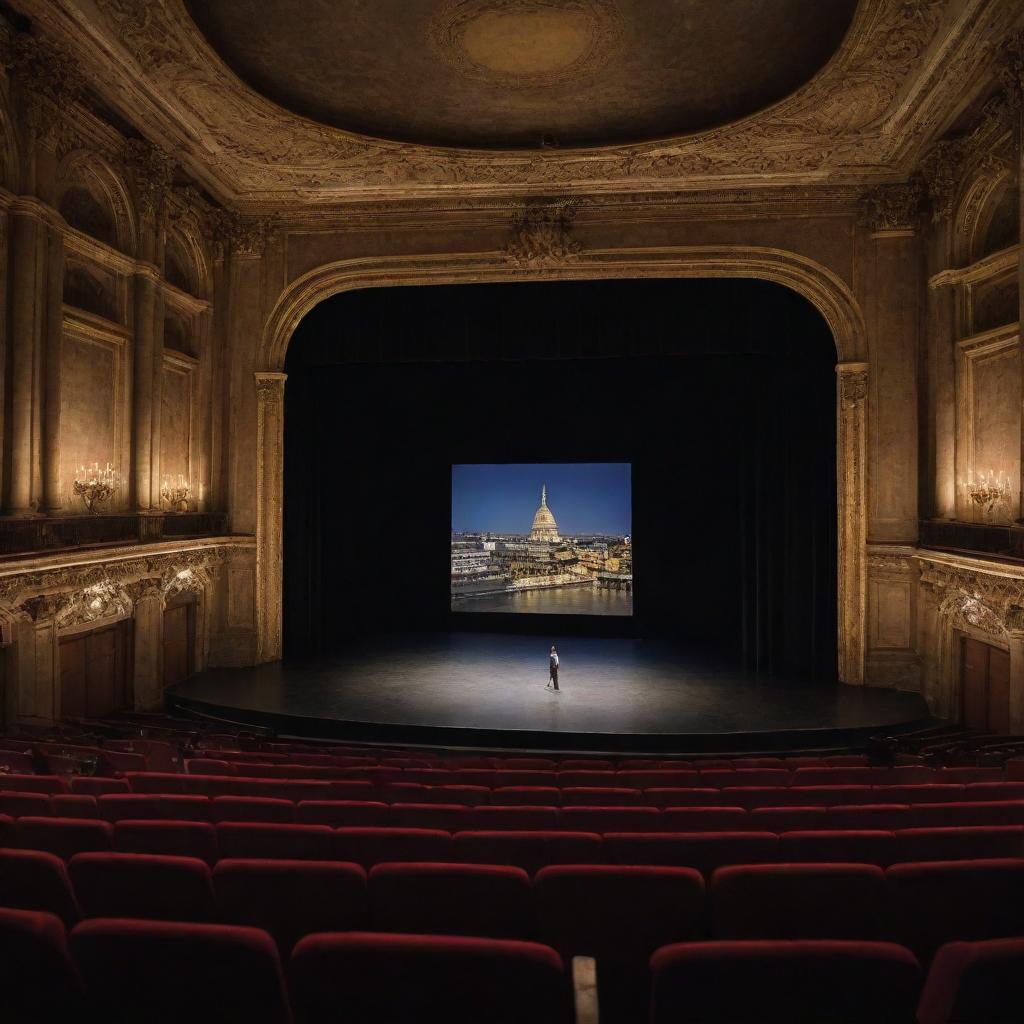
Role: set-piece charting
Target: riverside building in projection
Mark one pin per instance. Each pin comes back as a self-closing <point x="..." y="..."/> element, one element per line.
<point x="541" y="571"/>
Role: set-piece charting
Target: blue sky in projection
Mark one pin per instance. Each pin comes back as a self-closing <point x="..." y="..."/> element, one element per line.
<point x="584" y="497"/>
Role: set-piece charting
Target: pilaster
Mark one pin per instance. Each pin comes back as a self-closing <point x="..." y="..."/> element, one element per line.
<point x="269" y="503"/>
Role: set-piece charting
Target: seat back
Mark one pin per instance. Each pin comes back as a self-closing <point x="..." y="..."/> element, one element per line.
<point x="37" y="880"/>
<point x="860" y="846"/>
<point x="165" y="972"/>
<point x="292" y="899"/>
<point x="528" y="850"/>
<point x="454" y="979"/>
<point x="174" y="838"/>
<point x="282" y="842"/>
<point x="702" y="851"/>
<point x="369" y="846"/>
<point x="974" y="981"/>
<point x="38" y="982"/>
<point x="342" y="813"/>
<point x="143" y="885"/>
<point x="64" y="836"/>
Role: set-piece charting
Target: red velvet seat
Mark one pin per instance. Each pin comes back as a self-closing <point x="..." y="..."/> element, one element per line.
<point x="166" y="972"/>
<point x="123" y="806"/>
<point x="515" y="818"/>
<point x="270" y="842"/>
<point x="443" y="978"/>
<point x="994" y="791"/>
<point x="291" y="899"/>
<point x="36" y="880"/>
<point x="342" y="813"/>
<point x="925" y="794"/>
<point x="597" y="796"/>
<point x="260" y="809"/>
<point x="775" y="982"/>
<point x="530" y="796"/>
<point x="620" y="915"/>
<point x="504" y="778"/>
<point x="970" y="774"/>
<point x="852" y="846"/>
<point x="585" y="764"/>
<point x="526" y="764"/>
<point x="744" y="777"/>
<point x="369" y="846"/>
<point x="611" y="819"/>
<point x="968" y="843"/>
<point x="63" y="836"/>
<point x="25" y="805"/>
<point x="669" y="796"/>
<point x="485" y="900"/>
<point x="786" y="819"/>
<point x="151" y="886"/>
<point x="701" y="819"/>
<point x="661" y="779"/>
<point x="975" y="983"/>
<point x="158" y="782"/>
<point x="73" y="805"/>
<point x="17" y="762"/>
<point x="96" y="786"/>
<point x="186" y="807"/>
<point x="886" y="817"/>
<point x="702" y="851"/>
<point x="944" y="901"/>
<point x="448" y="817"/>
<point x="528" y="850"/>
<point x="480" y="775"/>
<point x="48" y="784"/>
<point x="799" y="901"/>
<point x="38" y="982"/>
<point x="992" y="812"/>
<point x="451" y="793"/>
<point x="840" y="776"/>
<point x="173" y="838"/>
<point x="833" y="796"/>
<point x="586" y="777"/>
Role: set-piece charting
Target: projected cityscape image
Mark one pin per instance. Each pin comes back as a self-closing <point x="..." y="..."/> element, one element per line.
<point x="547" y="538"/>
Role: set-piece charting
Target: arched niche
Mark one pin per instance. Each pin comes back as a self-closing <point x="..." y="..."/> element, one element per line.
<point x="185" y="264"/>
<point x="91" y="289"/>
<point x="93" y="200"/>
<point x="999" y="223"/>
<point x="179" y="335"/>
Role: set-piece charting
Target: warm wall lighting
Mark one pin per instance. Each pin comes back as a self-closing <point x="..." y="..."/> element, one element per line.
<point x="96" y="485"/>
<point x="176" y="493"/>
<point x="989" y="490"/>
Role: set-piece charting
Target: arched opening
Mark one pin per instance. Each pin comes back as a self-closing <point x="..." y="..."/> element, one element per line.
<point x="82" y="210"/>
<point x="719" y="392"/>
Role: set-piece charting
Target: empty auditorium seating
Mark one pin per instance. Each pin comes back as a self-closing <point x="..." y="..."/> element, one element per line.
<point x="452" y="899"/>
<point x="450" y="817"/>
<point x="291" y="899"/>
<point x="786" y="819"/>
<point x="800" y="901"/>
<point x="453" y="979"/>
<point x="976" y="982"/>
<point x="20" y="805"/>
<point x="863" y="846"/>
<point x="284" y="842"/>
<point x="165" y="972"/>
<point x="993" y="812"/>
<point x="63" y="836"/>
<point x="868" y="816"/>
<point x="142" y="885"/>
<point x="944" y="901"/>
<point x="778" y="982"/>
<point x="73" y="805"/>
<point x="700" y="819"/>
<point x="254" y="809"/>
<point x="514" y="818"/>
<point x="703" y="851"/>
<point x="38" y="982"/>
<point x="369" y="846"/>
<point x="969" y="843"/>
<point x="601" y="796"/>
<point x="611" y="819"/>
<point x="36" y="880"/>
<point x="342" y="812"/>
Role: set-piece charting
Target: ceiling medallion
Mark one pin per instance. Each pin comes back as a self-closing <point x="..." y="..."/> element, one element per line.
<point x="526" y="43"/>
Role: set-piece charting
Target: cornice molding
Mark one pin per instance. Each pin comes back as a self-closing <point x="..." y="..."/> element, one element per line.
<point x="864" y="119"/>
<point x="981" y="270"/>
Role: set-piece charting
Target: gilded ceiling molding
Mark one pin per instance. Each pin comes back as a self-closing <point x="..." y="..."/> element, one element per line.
<point x="866" y="115"/>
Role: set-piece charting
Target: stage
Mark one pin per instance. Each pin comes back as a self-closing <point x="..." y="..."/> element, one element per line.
<point x="488" y="690"/>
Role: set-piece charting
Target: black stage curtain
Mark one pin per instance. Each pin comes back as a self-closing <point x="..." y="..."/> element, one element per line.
<point x="720" y="393"/>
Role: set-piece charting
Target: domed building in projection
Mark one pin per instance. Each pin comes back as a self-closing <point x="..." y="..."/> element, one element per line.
<point x="544" y="526"/>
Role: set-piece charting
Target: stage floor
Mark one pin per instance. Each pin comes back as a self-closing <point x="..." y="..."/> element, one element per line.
<point x="476" y="689"/>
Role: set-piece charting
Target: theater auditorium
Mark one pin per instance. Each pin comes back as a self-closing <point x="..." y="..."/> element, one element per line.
<point x="511" y="510"/>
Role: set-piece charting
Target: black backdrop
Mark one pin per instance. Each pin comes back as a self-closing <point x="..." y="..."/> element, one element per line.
<point x="720" y="393"/>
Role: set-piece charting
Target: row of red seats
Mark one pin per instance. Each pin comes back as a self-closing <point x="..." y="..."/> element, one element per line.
<point x="615" y="913"/>
<point x="461" y="817"/>
<point x="166" y="972"/>
<point x="632" y="778"/>
<point x="529" y="849"/>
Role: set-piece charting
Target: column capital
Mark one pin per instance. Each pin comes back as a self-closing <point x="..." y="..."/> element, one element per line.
<point x="892" y="211"/>
<point x="269" y="385"/>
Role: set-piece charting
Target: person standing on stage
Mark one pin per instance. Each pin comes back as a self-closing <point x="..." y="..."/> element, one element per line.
<point x="553" y="666"/>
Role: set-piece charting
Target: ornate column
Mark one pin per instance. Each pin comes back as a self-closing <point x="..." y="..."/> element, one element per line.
<point x="851" y="477"/>
<point x="147" y="666"/>
<point x="42" y="698"/>
<point x="54" y="340"/>
<point x="28" y="260"/>
<point x="142" y="389"/>
<point x="269" y="508"/>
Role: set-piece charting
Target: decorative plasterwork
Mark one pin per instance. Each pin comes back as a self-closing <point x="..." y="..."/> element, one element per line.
<point x="971" y="598"/>
<point x="541" y="236"/>
<point x="892" y="208"/>
<point x="895" y="82"/>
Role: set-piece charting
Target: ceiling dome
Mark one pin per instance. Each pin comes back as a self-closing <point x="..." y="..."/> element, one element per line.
<point x="529" y="74"/>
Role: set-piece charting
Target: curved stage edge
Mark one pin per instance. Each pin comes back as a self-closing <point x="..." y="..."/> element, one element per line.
<point x="486" y="691"/>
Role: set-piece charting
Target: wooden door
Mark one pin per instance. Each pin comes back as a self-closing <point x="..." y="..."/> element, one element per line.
<point x="984" y="686"/>
<point x="93" y="672"/>
<point x="178" y="631"/>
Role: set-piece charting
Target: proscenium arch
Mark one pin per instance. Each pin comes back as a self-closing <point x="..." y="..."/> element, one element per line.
<point x="828" y="293"/>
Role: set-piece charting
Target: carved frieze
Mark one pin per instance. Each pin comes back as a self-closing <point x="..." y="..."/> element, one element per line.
<point x="892" y="207"/>
<point x="975" y="599"/>
<point x="541" y="236"/>
<point x="241" y="236"/>
<point x="152" y="171"/>
<point x="50" y="82"/>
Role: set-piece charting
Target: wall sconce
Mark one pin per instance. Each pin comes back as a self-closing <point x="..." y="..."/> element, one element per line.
<point x="176" y="494"/>
<point x="95" y="485"/>
<point x="989" y="490"/>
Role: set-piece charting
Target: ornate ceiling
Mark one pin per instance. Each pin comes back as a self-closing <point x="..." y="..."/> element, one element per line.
<point x="531" y="74"/>
<point x="292" y="104"/>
